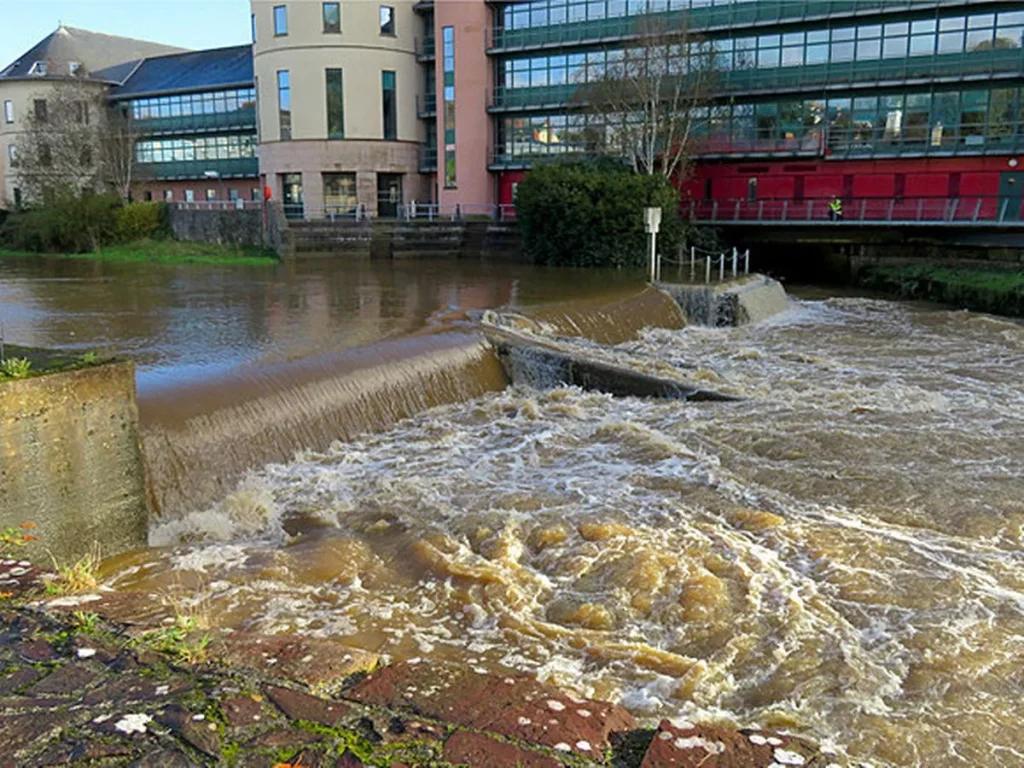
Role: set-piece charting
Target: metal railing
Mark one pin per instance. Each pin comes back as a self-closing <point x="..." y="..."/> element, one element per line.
<point x="425" y="48"/>
<point x="457" y="212"/>
<point x="220" y="205"/>
<point x="911" y="211"/>
<point x="426" y="104"/>
<point x="708" y="264"/>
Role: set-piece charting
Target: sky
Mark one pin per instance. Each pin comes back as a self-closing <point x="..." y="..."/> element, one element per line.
<point x="182" y="23"/>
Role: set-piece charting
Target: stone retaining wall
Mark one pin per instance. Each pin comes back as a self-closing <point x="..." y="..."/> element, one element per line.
<point x="743" y="301"/>
<point x="70" y="462"/>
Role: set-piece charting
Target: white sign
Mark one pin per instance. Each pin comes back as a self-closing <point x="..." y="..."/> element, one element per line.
<point x="652" y="220"/>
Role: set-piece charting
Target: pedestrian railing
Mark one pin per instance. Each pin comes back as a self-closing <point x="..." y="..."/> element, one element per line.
<point x="707" y="265"/>
<point x="412" y="211"/>
<point x="219" y="205"/>
<point x="920" y="211"/>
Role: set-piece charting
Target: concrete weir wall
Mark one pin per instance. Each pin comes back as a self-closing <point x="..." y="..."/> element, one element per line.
<point x="70" y="462"/>
<point x="743" y="301"/>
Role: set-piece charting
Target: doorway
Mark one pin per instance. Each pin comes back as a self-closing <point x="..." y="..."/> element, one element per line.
<point x="389" y="194"/>
<point x="291" y="185"/>
<point x="1011" y="196"/>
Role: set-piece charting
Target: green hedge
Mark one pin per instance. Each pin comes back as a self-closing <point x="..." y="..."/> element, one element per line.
<point x="82" y="224"/>
<point x="591" y="215"/>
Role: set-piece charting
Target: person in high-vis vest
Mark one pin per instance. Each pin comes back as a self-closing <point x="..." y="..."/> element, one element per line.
<point x="835" y="210"/>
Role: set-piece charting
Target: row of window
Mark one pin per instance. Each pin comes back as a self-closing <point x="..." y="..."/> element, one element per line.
<point x="189" y="195"/>
<point x="448" y="67"/>
<point x="74" y="111"/>
<point x="331" y="17"/>
<point x="212" y="103"/>
<point x="549" y="13"/>
<point x="197" y="148"/>
<point x="868" y="42"/>
<point x="335" y="94"/>
<point x="969" y="118"/>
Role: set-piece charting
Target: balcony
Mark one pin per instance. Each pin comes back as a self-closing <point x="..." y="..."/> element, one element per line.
<point x="235" y="168"/>
<point x="240" y="119"/>
<point x="720" y="17"/>
<point x="428" y="159"/>
<point x="425" y="49"/>
<point x="426" y="106"/>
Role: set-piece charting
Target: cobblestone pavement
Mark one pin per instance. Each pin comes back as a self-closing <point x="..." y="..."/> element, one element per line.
<point x="76" y="689"/>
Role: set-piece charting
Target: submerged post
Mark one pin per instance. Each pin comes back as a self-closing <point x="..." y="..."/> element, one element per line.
<point x="707" y="269"/>
<point x="693" y="261"/>
<point x="746" y="262"/>
<point x="721" y="268"/>
<point x="735" y="257"/>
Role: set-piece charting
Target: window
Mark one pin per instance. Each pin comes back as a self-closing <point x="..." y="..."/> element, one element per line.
<point x="8" y="111"/>
<point x="387" y="84"/>
<point x="168" y="195"/>
<point x="387" y="20"/>
<point x="257" y="194"/>
<point x="190" y="196"/>
<point x="233" y="195"/>
<point x="332" y="17"/>
<point x="81" y="112"/>
<point x="74" y="67"/>
<point x="211" y="195"/>
<point x="45" y="156"/>
<point x="252" y="19"/>
<point x="39" y="108"/>
<point x="340" y="192"/>
<point x="280" y="20"/>
<point x="12" y="154"/>
<point x="448" y="65"/>
<point x="148" y="196"/>
<point x="335" y="105"/>
<point x="38" y="68"/>
<point x="284" y="104"/>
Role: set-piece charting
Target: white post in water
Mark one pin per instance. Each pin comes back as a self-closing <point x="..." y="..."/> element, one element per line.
<point x="746" y="262"/>
<point x="652" y="223"/>
<point x="707" y="269"/>
<point x="693" y="261"/>
<point x="735" y="258"/>
<point x="721" y="268"/>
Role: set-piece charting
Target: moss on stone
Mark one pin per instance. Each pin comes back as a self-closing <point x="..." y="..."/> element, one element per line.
<point x="1000" y="292"/>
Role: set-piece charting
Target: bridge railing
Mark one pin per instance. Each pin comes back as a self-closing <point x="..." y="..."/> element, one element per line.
<point x="931" y="211"/>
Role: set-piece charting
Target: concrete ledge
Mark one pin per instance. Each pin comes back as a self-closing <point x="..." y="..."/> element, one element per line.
<point x="70" y="462"/>
<point x="743" y="301"/>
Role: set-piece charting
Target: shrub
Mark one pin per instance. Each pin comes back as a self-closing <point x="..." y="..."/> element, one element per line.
<point x="68" y="223"/>
<point x="591" y="214"/>
<point x="15" y="367"/>
<point x="142" y="221"/>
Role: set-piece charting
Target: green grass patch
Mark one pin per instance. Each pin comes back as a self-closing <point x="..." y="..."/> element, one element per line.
<point x="1000" y="292"/>
<point x="27" y="362"/>
<point x="165" y="252"/>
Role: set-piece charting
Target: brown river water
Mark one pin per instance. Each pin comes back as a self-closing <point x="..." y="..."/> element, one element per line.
<point x="841" y="554"/>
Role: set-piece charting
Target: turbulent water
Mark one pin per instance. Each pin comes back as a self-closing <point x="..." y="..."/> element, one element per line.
<point x="840" y="554"/>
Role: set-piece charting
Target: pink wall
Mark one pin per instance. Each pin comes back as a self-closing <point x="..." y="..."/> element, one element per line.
<point x="473" y="82"/>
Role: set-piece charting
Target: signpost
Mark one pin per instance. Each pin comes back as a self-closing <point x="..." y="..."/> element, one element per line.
<point x="652" y="224"/>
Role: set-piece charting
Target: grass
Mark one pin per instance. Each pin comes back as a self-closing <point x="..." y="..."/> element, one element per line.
<point x="179" y="640"/>
<point x="985" y="290"/>
<point x="20" y="362"/>
<point x="15" y="367"/>
<point x="165" y="252"/>
<point x="80" y="576"/>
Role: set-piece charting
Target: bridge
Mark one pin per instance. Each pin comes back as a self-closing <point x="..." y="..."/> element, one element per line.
<point x="958" y="212"/>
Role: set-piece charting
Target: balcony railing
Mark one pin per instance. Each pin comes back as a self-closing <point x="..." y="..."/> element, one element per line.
<point x="425" y="48"/>
<point x="237" y="168"/>
<point x="426" y="105"/>
<point x="428" y="159"/>
<point x="874" y="211"/>
<point x="754" y="13"/>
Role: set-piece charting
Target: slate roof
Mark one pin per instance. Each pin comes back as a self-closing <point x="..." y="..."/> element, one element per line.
<point x="191" y="71"/>
<point x="94" y="51"/>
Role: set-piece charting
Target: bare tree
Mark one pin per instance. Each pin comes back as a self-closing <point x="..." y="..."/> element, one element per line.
<point x="75" y="143"/>
<point x="651" y="95"/>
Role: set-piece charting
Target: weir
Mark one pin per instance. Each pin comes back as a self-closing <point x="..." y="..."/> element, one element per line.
<point x="200" y="439"/>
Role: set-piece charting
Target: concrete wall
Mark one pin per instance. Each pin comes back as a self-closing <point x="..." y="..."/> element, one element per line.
<point x="70" y="462"/>
<point x="227" y="227"/>
<point x="743" y="301"/>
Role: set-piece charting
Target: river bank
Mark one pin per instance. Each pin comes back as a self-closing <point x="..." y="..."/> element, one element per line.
<point x="80" y="688"/>
<point x="999" y="292"/>
<point x="163" y="252"/>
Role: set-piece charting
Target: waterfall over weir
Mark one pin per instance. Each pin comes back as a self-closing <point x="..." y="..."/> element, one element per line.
<point x="200" y="439"/>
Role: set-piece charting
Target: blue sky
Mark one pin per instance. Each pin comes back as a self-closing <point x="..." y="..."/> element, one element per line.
<point x="185" y="23"/>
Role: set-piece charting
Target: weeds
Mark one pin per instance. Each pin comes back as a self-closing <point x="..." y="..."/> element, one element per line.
<point x="178" y="641"/>
<point x="15" y="537"/>
<point x="15" y="367"/>
<point x="90" y="358"/>
<point x="86" y="621"/>
<point x="80" y="576"/>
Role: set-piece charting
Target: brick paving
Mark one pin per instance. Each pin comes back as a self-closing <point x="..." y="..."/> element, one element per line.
<point x="87" y="693"/>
